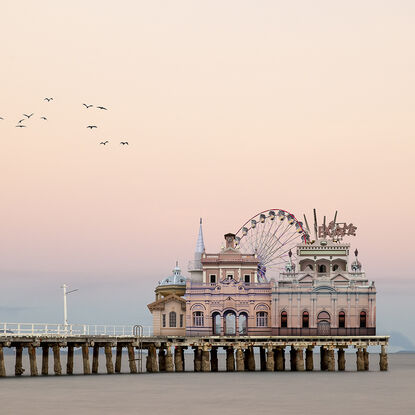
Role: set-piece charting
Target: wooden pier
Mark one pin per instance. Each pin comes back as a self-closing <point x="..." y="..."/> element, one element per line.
<point x="166" y="354"/>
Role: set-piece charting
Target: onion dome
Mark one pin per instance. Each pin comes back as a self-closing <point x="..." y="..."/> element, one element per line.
<point x="174" y="284"/>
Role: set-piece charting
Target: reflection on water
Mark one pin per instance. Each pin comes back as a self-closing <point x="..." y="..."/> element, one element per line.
<point x="370" y="392"/>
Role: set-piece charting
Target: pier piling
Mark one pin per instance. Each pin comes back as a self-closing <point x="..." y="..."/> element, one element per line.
<point x="108" y="359"/>
<point x="95" y="358"/>
<point x="85" y="359"/>
<point x="18" y="367"/>
<point x="299" y="360"/>
<point x="270" y="365"/>
<point x="366" y="358"/>
<point x="162" y="360"/>
<point x="205" y="360"/>
<point x="178" y="359"/>
<point x="45" y="360"/>
<point x="240" y="361"/>
<point x="360" y="363"/>
<point x="69" y="360"/>
<point x="383" y="359"/>
<point x="2" y="366"/>
<point x="118" y="358"/>
<point x="331" y="362"/>
<point x="293" y="358"/>
<point x="214" y="364"/>
<point x="230" y="359"/>
<point x="251" y="359"/>
<point x="131" y="358"/>
<point x="57" y="367"/>
<point x="169" y="360"/>
<point x="262" y="359"/>
<point x="341" y="360"/>
<point x="309" y="359"/>
<point x="32" y="359"/>
<point x="197" y="360"/>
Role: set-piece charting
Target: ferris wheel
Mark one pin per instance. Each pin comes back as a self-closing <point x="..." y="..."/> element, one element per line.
<point x="272" y="235"/>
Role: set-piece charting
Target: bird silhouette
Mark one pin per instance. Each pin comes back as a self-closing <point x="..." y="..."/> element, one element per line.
<point x="91" y="126"/>
<point x="87" y="106"/>
<point x="43" y="118"/>
<point x="103" y="108"/>
<point x="48" y="99"/>
<point x="104" y="142"/>
<point x="28" y="116"/>
<point x="1" y="118"/>
<point x="20" y="125"/>
<point x="20" y="121"/>
<point x="124" y="143"/>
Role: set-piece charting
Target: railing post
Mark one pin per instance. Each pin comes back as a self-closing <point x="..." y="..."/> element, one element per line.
<point x="33" y="329"/>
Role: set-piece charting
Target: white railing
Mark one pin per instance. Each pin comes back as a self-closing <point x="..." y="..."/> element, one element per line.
<point x="46" y="329"/>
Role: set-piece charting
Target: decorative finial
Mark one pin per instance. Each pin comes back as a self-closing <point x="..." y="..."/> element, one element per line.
<point x="177" y="264"/>
<point x="356" y="252"/>
<point x="200" y="220"/>
<point x="290" y="254"/>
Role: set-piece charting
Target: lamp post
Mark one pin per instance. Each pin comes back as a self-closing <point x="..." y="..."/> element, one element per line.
<point x="65" y="307"/>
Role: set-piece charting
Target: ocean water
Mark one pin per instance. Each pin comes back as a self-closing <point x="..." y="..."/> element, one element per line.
<point x="349" y="392"/>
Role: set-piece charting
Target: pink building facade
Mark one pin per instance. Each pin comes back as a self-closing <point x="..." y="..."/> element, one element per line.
<point x="322" y="292"/>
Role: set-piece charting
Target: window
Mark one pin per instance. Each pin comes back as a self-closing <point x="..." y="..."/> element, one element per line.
<point x="363" y="319"/>
<point x="262" y="319"/>
<point x="322" y="268"/>
<point x="212" y="278"/>
<point x="247" y="278"/>
<point x="164" y="320"/>
<point x="181" y="320"/>
<point x="305" y="319"/>
<point x="309" y="267"/>
<point x="198" y="318"/>
<point x="172" y="319"/>
<point x="284" y="319"/>
<point x="342" y="320"/>
<point x="335" y="267"/>
<point x="229" y="277"/>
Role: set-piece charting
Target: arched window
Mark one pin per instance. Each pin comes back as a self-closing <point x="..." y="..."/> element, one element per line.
<point x="284" y="319"/>
<point x="309" y="267"/>
<point x="242" y="324"/>
<point x="322" y="268"/>
<point x="198" y="319"/>
<point x="262" y="319"/>
<point x="305" y="319"/>
<point x="216" y="323"/>
<point x="342" y="320"/>
<point x="172" y="319"/>
<point x="335" y="267"/>
<point x="363" y="319"/>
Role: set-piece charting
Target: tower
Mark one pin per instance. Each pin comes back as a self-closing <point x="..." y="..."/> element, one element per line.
<point x="195" y="267"/>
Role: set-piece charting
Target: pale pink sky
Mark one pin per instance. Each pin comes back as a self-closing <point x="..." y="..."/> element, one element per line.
<point x="230" y="108"/>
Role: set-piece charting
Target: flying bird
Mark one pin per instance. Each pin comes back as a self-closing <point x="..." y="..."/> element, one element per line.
<point x="43" y="118"/>
<point x="87" y="106"/>
<point x="1" y="118"/>
<point x="48" y="99"/>
<point x="103" y="108"/>
<point x="91" y="126"/>
<point x="124" y="143"/>
<point x="20" y="125"/>
<point x="104" y="142"/>
<point x="20" y="121"/>
<point x="28" y="116"/>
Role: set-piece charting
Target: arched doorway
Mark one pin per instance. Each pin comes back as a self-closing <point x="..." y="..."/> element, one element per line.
<point x="230" y="323"/>
<point x="323" y="323"/>
<point x="243" y="324"/>
<point x="216" y="324"/>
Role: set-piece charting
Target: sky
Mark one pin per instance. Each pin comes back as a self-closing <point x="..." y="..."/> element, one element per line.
<point x="229" y="108"/>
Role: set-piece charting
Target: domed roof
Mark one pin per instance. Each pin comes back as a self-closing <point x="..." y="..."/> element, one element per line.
<point x="176" y="279"/>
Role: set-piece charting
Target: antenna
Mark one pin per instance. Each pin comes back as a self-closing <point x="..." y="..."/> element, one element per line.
<point x="315" y="223"/>
<point x="324" y="226"/>
<point x="334" y="226"/>
<point x="306" y="223"/>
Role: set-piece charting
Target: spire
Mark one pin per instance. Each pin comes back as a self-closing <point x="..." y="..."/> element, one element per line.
<point x="200" y="245"/>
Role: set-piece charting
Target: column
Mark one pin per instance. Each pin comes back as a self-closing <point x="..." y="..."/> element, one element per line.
<point x="366" y="358"/>
<point x="85" y="359"/>
<point x="293" y="357"/>
<point x="169" y="360"/>
<point x="270" y="359"/>
<point x="383" y="359"/>
<point x="131" y="358"/>
<point x="118" y="358"/>
<point x="309" y="359"/>
<point x="240" y="361"/>
<point x="262" y="358"/>
<point x="178" y="359"/>
<point x="57" y="367"/>
<point x="197" y="360"/>
<point x="230" y="359"/>
<point x="32" y="359"/>
<point x="360" y="363"/>
<point x="45" y="359"/>
<point x="251" y="359"/>
<point x="162" y="359"/>
<point x="2" y="366"/>
<point x="214" y="364"/>
<point x="95" y="358"/>
<point x="69" y="360"/>
<point x="18" y="367"/>
<point x="341" y="360"/>
<point x="299" y="360"/>
<point x="331" y="362"/>
<point x="205" y="360"/>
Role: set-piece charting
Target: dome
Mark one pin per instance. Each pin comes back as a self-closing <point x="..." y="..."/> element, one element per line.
<point x="176" y="279"/>
<point x="174" y="284"/>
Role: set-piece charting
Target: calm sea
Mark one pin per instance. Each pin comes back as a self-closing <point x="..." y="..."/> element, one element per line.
<point x="372" y="392"/>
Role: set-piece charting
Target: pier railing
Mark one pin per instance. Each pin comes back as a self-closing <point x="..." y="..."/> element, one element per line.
<point x="47" y="329"/>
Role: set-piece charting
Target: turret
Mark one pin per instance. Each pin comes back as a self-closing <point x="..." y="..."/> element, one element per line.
<point x="195" y="266"/>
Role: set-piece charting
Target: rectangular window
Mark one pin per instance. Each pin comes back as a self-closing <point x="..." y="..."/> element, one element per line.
<point x="198" y="318"/>
<point x="164" y="320"/>
<point x="181" y="320"/>
<point x="262" y="319"/>
<point x="172" y="319"/>
<point x="247" y="278"/>
<point x="212" y="278"/>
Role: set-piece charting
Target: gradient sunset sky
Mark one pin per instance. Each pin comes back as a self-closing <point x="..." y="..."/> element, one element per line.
<point x="229" y="108"/>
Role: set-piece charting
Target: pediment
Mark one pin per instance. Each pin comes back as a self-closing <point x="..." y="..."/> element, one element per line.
<point x="306" y="279"/>
<point x="340" y="278"/>
<point x="161" y="303"/>
<point x="230" y="303"/>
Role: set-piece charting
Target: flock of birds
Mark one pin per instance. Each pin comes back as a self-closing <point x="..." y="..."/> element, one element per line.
<point x="20" y="123"/>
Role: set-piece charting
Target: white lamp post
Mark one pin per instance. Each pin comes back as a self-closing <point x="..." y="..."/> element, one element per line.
<point x="65" y="307"/>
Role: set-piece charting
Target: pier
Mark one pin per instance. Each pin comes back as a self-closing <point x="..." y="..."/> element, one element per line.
<point x="166" y="354"/>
